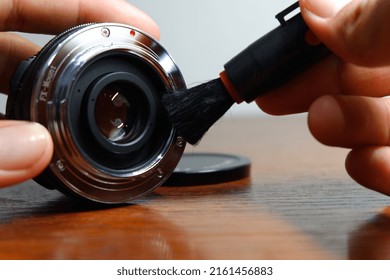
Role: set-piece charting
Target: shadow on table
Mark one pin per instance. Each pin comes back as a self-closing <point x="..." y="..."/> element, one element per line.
<point x="371" y="241"/>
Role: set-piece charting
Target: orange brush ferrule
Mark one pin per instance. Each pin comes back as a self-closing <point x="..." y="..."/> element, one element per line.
<point x="230" y="88"/>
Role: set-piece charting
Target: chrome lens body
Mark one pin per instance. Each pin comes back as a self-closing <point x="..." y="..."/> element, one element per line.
<point x="97" y="88"/>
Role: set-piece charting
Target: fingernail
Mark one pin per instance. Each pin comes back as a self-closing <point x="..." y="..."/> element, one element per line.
<point x="325" y="8"/>
<point x="22" y="144"/>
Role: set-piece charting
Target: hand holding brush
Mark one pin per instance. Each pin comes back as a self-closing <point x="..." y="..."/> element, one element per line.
<point x="342" y="92"/>
<point x="271" y="61"/>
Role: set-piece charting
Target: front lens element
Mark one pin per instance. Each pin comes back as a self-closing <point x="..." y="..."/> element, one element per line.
<point x="119" y="112"/>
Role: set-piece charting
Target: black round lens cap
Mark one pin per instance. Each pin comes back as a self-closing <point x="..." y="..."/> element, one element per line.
<point x="208" y="168"/>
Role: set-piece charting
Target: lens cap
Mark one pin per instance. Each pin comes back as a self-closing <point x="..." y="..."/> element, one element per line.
<point x="208" y="168"/>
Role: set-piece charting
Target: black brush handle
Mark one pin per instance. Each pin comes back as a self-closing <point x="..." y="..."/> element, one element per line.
<point x="275" y="58"/>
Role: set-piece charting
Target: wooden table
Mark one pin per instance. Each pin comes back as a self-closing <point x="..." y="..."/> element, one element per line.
<point x="298" y="204"/>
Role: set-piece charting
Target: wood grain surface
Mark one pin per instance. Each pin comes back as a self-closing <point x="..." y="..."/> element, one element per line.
<point x="298" y="203"/>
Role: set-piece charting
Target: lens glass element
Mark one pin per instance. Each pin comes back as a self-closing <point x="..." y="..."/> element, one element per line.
<point x="119" y="112"/>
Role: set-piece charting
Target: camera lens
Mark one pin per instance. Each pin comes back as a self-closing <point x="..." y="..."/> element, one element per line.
<point x="97" y="88"/>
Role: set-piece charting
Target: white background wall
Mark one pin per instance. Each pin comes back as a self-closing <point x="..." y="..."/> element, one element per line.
<point x="202" y="35"/>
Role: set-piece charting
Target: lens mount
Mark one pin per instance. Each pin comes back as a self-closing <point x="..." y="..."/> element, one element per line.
<point x="97" y="88"/>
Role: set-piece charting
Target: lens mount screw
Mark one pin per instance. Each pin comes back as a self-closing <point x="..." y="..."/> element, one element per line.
<point x="105" y="32"/>
<point x="60" y="165"/>
<point x="180" y="142"/>
<point x="160" y="173"/>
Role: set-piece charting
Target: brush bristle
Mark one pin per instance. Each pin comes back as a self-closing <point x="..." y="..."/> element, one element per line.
<point x="193" y="111"/>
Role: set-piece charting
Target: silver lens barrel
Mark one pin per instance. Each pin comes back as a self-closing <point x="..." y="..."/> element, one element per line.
<point x="64" y="77"/>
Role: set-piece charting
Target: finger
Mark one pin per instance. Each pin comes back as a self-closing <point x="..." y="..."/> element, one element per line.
<point x="356" y="30"/>
<point x="52" y="17"/>
<point x="13" y="50"/>
<point x="350" y="121"/>
<point x="332" y="76"/>
<point x="25" y="150"/>
<point x="370" y="167"/>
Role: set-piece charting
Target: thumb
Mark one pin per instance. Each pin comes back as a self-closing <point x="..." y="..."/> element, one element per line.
<point x="355" y="30"/>
<point x="25" y="150"/>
